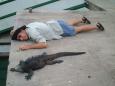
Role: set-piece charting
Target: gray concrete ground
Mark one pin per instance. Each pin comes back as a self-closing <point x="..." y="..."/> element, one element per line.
<point x="107" y="4"/>
<point x="95" y="68"/>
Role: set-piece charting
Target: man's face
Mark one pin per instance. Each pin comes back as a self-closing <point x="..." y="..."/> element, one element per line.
<point x="22" y="36"/>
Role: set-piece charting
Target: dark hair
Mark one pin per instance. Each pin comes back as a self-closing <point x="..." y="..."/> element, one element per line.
<point x="17" y="31"/>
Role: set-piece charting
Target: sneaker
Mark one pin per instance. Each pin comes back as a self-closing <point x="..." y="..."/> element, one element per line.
<point x="85" y="20"/>
<point x="100" y="26"/>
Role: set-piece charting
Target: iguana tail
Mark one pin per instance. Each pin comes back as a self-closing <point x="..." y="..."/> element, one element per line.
<point x="60" y="54"/>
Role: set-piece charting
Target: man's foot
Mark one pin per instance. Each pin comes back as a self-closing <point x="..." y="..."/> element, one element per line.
<point x="100" y="26"/>
<point x="85" y="20"/>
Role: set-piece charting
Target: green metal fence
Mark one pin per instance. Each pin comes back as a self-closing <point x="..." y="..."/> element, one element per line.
<point x="5" y="1"/>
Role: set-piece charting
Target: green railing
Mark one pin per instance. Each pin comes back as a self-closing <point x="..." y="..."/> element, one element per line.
<point x="39" y="5"/>
<point x="14" y="13"/>
<point x="76" y="7"/>
<point x="33" y="7"/>
<point x="45" y="3"/>
<point x="42" y="4"/>
<point x="8" y="15"/>
<point x="36" y="6"/>
<point x="6" y="1"/>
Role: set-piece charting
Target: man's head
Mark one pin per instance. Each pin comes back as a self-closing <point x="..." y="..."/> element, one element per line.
<point x="19" y="34"/>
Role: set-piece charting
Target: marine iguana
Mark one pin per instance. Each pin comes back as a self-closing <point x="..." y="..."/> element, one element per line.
<point x="40" y="61"/>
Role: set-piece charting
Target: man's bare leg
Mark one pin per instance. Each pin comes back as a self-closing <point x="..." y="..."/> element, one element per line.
<point x="85" y="28"/>
<point x="75" y="22"/>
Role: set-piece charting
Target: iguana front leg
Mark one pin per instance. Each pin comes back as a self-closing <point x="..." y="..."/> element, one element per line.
<point x="53" y="62"/>
<point x="29" y="75"/>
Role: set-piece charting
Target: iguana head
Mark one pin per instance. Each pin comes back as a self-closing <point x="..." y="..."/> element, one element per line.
<point x="20" y="67"/>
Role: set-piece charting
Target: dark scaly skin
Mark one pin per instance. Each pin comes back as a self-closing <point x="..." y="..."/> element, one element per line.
<point x="39" y="61"/>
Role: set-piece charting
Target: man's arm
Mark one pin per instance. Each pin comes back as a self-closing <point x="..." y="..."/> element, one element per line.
<point x="38" y="45"/>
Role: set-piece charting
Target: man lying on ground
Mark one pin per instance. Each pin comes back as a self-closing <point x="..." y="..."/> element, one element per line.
<point x="40" y="32"/>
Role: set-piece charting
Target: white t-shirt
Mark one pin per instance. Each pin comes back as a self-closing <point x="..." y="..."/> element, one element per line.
<point x="40" y="32"/>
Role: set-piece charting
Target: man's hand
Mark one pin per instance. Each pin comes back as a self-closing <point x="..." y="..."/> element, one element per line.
<point x="40" y="45"/>
<point x="24" y="47"/>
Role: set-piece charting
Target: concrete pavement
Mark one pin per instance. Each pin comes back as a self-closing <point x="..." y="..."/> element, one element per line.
<point x="95" y="68"/>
